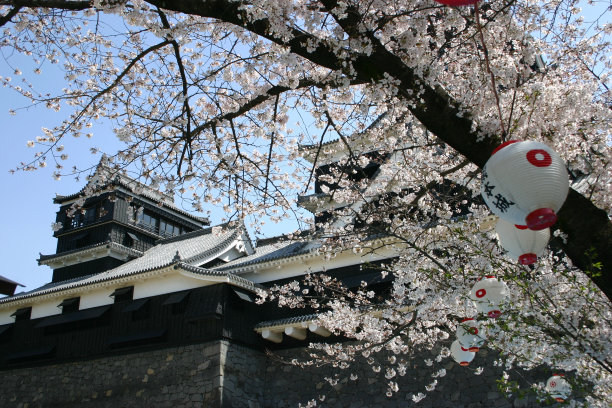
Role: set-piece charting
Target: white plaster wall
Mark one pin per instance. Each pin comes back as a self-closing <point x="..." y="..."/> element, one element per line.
<point x="5" y="316"/>
<point x="317" y="264"/>
<point x="165" y="284"/>
<point x="97" y="298"/>
<point x="47" y="308"/>
<point x="231" y="254"/>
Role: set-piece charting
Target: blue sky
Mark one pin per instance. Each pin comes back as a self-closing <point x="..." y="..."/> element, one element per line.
<point x="27" y="203"/>
<point x="28" y="196"/>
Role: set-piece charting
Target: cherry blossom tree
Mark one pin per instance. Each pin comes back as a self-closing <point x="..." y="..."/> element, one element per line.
<point x="204" y="94"/>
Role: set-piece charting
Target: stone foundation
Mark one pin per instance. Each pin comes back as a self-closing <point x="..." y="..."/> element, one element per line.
<point x="220" y="374"/>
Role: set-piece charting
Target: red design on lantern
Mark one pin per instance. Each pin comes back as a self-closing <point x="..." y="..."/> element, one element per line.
<point x="553" y="384"/>
<point x="464" y="363"/>
<point x="494" y="314"/>
<point x="480" y="293"/>
<point x="473" y="330"/>
<point x="521" y="227"/>
<point x="539" y="158"/>
<point x="528" y="259"/>
<point x="541" y="218"/>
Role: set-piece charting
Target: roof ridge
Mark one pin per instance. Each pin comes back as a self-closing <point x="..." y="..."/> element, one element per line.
<point x="191" y="234"/>
<point x="116" y="178"/>
<point x="214" y="249"/>
<point x="88" y="247"/>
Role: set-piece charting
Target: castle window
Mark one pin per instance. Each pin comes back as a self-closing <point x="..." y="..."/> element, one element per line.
<point x="70" y="305"/>
<point x="148" y="221"/>
<point x="87" y="215"/>
<point x="123" y="294"/>
<point x="168" y="229"/>
<point x="178" y="301"/>
<point x="80" y="240"/>
<point x="130" y="239"/>
<point x="140" y="309"/>
<point x="22" y="314"/>
<point x="76" y="220"/>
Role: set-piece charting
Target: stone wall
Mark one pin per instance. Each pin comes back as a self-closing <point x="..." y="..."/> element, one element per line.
<point x="180" y="377"/>
<point x="220" y="374"/>
<point x="288" y="386"/>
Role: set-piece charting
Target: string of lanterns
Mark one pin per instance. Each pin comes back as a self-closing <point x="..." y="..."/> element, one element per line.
<point x="524" y="183"/>
<point x="489" y="295"/>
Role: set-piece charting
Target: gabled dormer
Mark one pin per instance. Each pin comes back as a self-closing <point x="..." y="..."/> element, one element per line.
<point x="112" y="220"/>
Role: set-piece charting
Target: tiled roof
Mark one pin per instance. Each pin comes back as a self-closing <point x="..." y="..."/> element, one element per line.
<point x="192" y="248"/>
<point x="287" y="321"/>
<point x="49" y="288"/>
<point x="234" y="279"/>
<point x="110" y="244"/>
<point x="111" y="177"/>
<point x="7" y="280"/>
<point x="583" y="183"/>
<point x="270" y="252"/>
<point x="330" y="142"/>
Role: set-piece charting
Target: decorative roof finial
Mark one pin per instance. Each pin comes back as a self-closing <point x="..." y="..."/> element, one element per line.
<point x="177" y="257"/>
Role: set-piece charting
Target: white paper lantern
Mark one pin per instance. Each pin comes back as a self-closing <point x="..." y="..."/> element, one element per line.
<point x="558" y="387"/>
<point x="525" y="183"/>
<point x="521" y="243"/>
<point x="461" y="355"/>
<point x="470" y="334"/>
<point x="488" y="294"/>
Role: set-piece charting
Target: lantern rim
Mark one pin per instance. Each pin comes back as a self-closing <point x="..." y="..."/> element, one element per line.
<point x="528" y="259"/>
<point x="501" y="146"/>
<point x="541" y="218"/>
<point x="464" y="363"/>
<point x="494" y="314"/>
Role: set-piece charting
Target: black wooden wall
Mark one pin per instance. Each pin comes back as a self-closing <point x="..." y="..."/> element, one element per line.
<point x="207" y="313"/>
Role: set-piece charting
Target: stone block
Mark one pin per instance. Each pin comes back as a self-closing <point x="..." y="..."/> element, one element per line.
<point x="197" y="397"/>
<point x="492" y="395"/>
<point x="520" y="402"/>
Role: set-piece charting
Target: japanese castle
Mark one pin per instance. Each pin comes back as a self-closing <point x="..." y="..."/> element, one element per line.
<point x="150" y="306"/>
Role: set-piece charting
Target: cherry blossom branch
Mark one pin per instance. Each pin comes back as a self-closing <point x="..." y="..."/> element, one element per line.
<point x="187" y="135"/>
<point x="269" y="162"/>
<point x="485" y="51"/>
<point x="316" y="158"/>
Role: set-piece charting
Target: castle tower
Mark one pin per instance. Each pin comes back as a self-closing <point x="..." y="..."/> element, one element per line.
<point x="112" y="220"/>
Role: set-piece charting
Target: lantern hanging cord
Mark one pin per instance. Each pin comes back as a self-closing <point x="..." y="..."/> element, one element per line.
<point x="488" y="65"/>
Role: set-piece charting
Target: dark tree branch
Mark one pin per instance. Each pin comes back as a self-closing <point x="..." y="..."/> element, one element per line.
<point x="269" y="162"/>
<point x="12" y="13"/>
<point x="56" y="4"/>
<point x="187" y="135"/>
<point x="588" y="228"/>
